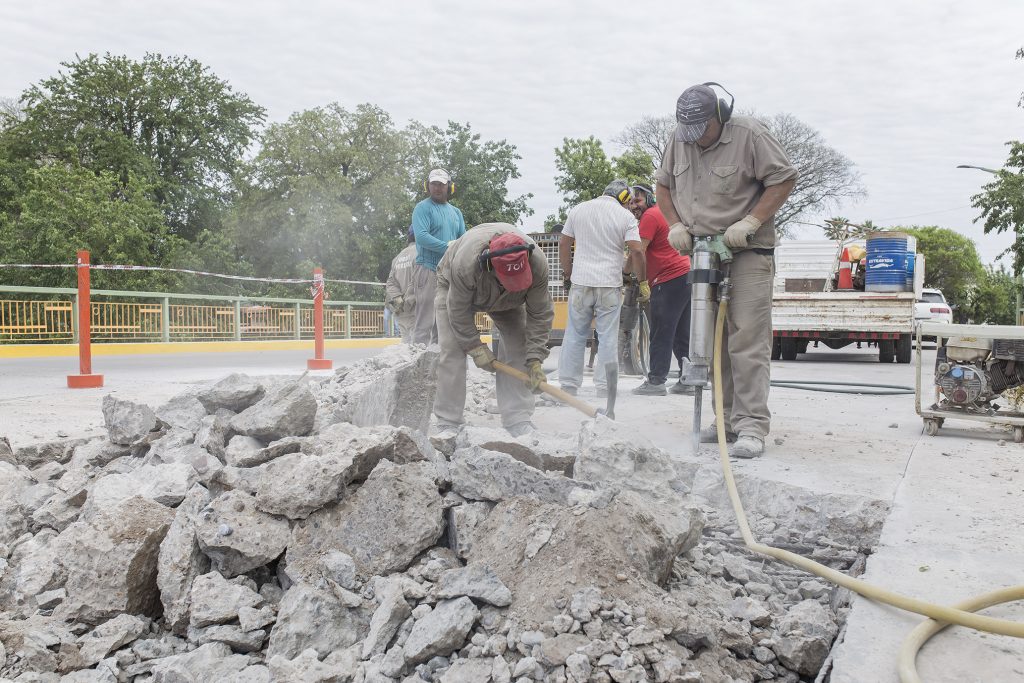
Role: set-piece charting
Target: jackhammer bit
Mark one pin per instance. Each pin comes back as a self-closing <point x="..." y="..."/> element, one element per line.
<point x="709" y="266"/>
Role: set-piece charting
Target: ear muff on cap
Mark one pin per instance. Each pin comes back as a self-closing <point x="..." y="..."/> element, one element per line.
<point x="723" y="109"/>
<point x="450" y="189"/>
<point x="486" y="255"/>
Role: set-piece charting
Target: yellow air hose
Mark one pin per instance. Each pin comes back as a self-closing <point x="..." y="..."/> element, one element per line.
<point x="940" y="615"/>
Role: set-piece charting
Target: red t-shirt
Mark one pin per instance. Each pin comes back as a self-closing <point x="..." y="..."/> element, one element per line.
<point x="664" y="263"/>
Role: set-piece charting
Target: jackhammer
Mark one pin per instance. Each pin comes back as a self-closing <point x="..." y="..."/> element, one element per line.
<point x="709" y="280"/>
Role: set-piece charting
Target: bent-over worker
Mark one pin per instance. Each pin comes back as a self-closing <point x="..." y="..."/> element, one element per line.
<point x="399" y="295"/>
<point x="497" y="270"/>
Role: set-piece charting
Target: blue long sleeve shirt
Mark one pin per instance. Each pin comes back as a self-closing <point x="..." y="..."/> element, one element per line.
<point x="435" y="225"/>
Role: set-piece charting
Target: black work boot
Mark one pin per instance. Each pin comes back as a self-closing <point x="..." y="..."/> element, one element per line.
<point x="648" y="389"/>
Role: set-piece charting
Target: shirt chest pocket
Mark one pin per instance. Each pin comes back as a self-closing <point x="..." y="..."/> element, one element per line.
<point x="723" y="179"/>
<point x="679" y="171"/>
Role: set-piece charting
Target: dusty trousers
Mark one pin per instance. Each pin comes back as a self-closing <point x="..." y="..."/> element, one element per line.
<point x="515" y="402"/>
<point x="424" y="284"/>
<point x="746" y="367"/>
<point x="670" y="326"/>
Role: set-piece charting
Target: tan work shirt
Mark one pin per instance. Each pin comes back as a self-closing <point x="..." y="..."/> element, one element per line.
<point x="400" y="280"/>
<point x="715" y="187"/>
<point x="468" y="288"/>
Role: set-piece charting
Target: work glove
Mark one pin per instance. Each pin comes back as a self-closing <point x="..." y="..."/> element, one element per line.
<point x="645" y="292"/>
<point x="567" y="284"/>
<point x="397" y="303"/>
<point x="680" y="238"/>
<point x="483" y="358"/>
<point x="739" y="233"/>
<point x="536" y="373"/>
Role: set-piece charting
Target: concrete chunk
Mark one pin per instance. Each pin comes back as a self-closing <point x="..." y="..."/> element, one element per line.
<point x="237" y="537"/>
<point x="127" y="422"/>
<point x="289" y="410"/>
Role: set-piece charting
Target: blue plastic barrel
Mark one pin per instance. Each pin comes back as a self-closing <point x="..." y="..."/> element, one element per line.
<point x="911" y="258"/>
<point x="886" y="262"/>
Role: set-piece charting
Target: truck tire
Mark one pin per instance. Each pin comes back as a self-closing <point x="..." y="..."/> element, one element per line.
<point x="635" y="347"/>
<point x="776" y="348"/>
<point x="904" y="347"/>
<point x="886" y="350"/>
<point x="788" y="348"/>
<point x="801" y="346"/>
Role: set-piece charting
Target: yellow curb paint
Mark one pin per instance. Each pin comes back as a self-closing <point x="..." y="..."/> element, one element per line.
<point x="64" y="350"/>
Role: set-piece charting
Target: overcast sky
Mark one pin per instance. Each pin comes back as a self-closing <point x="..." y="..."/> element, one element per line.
<point x="907" y="90"/>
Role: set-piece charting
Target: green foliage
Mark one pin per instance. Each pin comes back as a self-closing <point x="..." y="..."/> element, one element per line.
<point x="1002" y="203"/>
<point x="167" y="120"/>
<point x="994" y="298"/>
<point x="951" y="262"/>
<point x="480" y="170"/>
<point x="67" y="208"/>
<point x="634" y="165"/>
<point x="328" y="188"/>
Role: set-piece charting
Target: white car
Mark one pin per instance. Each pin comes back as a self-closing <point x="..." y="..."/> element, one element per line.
<point x="933" y="308"/>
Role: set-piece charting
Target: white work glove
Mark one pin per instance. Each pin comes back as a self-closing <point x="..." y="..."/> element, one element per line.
<point x="680" y="238"/>
<point x="739" y="233"/>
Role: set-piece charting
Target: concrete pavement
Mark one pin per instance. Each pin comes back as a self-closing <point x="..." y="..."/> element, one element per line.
<point x="953" y="531"/>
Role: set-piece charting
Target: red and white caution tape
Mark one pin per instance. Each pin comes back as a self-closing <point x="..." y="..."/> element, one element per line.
<point x="186" y="271"/>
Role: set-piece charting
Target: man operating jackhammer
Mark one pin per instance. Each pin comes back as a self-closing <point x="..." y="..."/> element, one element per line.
<point x="727" y="175"/>
<point x="497" y="270"/>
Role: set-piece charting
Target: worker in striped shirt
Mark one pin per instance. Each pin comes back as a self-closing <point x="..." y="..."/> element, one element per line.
<point x="600" y="230"/>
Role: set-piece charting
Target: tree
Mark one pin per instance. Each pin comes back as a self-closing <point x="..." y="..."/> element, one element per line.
<point x="584" y="170"/>
<point x="633" y="166"/>
<point x="328" y="188"/>
<point x="67" y="208"/>
<point x="166" y="120"/>
<point x="1002" y="203"/>
<point x="650" y="134"/>
<point x="951" y="262"/>
<point x="994" y="298"/>
<point x="481" y="171"/>
<point x="828" y="178"/>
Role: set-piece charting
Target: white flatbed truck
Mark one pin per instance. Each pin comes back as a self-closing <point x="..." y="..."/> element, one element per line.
<point x="805" y="313"/>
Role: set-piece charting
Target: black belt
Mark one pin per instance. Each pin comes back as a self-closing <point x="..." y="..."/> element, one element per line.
<point x="763" y="252"/>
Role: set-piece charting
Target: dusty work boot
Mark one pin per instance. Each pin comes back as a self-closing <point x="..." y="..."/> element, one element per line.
<point x="521" y="428"/>
<point x="747" y="446"/>
<point x="446" y="429"/>
<point x="648" y="389"/>
<point x="680" y="388"/>
<point x="710" y="435"/>
<point x="572" y="391"/>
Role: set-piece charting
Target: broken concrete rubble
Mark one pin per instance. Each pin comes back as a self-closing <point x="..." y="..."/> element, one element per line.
<point x="111" y="561"/>
<point x="237" y="537"/>
<point x="326" y="550"/>
<point x="286" y="410"/>
<point x="127" y="422"/>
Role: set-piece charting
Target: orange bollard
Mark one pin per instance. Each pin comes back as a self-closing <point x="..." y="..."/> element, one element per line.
<point x="845" y="271"/>
<point x="318" y="362"/>
<point x="85" y="379"/>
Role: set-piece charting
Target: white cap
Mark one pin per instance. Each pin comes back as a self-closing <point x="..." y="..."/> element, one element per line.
<point x="439" y="176"/>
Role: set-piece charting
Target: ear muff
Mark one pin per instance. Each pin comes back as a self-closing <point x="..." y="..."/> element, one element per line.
<point x="723" y="109"/>
<point x="486" y="255"/>
<point x="624" y="196"/>
<point x="450" y="189"/>
<point x="649" y="199"/>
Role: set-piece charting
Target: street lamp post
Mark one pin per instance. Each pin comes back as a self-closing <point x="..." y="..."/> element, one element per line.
<point x="1017" y="278"/>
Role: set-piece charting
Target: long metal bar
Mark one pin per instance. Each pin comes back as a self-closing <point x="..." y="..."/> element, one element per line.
<point x="172" y="295"/>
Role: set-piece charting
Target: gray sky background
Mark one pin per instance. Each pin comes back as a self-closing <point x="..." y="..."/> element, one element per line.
<point x="907" y="90"/>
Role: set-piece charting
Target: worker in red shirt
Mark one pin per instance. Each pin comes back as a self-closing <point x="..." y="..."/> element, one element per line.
<point x="670" y="295"/>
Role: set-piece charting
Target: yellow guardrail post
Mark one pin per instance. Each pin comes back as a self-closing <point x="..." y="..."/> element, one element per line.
<point x="165" y="319"/>
<point x="74" y="318"/>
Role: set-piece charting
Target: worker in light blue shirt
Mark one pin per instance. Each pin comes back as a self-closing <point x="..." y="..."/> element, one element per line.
<point x="436" y="224"/>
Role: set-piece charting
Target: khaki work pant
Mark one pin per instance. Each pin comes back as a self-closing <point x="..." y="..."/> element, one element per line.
<point x="424" y="284"/>
<point x="515" y="402"/>
<point x="746" y="368"/>
<point x="406" y="323"/>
